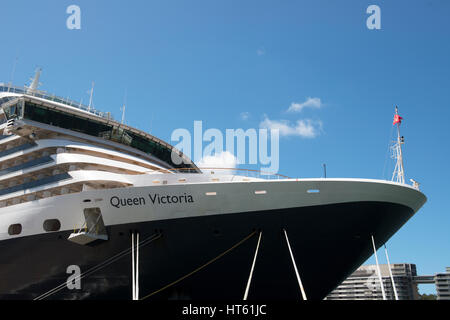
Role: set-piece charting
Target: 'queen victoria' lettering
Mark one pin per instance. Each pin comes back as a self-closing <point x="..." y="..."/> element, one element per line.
<point x="155" y="198"/>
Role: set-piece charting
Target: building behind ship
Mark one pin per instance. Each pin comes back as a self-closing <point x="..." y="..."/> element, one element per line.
<point x="443" y="285"/>
<point x="364" y="283"/>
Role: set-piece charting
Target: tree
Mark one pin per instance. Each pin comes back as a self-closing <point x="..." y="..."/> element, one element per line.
<point x="427" y="296"/>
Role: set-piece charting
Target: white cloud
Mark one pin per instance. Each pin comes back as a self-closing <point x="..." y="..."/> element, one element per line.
<point x="224" y="159"/>
<point x="306" y="128"/>
<point x="244" y="115"/>
<point x="314" y="103"/>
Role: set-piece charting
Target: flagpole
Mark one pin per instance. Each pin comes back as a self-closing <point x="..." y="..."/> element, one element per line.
<point x="399" y="169"/>
<point x="402" y="171"/>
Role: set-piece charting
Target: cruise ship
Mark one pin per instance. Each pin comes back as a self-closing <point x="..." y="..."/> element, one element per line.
<point x="91" y="208"/>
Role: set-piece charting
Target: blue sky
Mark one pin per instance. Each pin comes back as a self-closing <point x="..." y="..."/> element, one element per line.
<point x="213" y="60"/>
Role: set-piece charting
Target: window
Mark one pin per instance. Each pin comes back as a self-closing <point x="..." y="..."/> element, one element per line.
<point x="26" y="165"/>
<point x="52" y="225"/>
<point x="98" y="129"/>
<point x="17" y="149"/>
<point x="13" y="110"/>
<point x="35" y="183"/>
<point x="6" y="99"/>
<point x="15" y="229"/>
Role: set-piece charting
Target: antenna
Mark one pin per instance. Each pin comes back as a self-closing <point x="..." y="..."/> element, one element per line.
<point x="124" y="106"/>
<point x="399" y="172"/>
<point x="324" y="170"/>
<point x="91" y="94"/>
<point x="13" y="72"/>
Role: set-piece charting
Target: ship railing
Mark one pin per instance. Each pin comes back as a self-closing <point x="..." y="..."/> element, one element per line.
<point x="51" y="97"/>
<point x="235" y="172"/>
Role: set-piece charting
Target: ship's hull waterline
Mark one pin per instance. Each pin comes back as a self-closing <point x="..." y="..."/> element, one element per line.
<point x="329" y="241"/>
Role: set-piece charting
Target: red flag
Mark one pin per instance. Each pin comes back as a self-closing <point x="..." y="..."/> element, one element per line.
<point x="397" y="119"/>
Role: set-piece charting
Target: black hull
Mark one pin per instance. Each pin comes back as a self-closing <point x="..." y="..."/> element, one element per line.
<point x="328" y="242"/>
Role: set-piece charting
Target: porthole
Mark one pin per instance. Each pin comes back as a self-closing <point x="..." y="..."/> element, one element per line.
<point x="52" y="225"/>
<point x="14" y="229"/>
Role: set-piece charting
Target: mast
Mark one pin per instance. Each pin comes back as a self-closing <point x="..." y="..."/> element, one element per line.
<point x="34" y="82"/>
<point x="91" y="94"/>
<point x="399" y="172"/>
<point x="123" y="113"/>
<point x="123" y="107"/>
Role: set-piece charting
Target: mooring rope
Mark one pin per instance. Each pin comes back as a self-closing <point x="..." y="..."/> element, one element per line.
<point x="202" y="266"/>
<point x="250" y="277"/>
<point x="98" y="267"/>
<point x="133" y="269"/>
<point x="299" y="280"/>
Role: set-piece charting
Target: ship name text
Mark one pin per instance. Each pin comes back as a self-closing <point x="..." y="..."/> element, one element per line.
<point x="155" y="198"/>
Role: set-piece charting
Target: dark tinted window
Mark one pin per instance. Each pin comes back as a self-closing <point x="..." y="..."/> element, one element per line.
<point x="15" y="229"/>
<point x="97" y="129"/>
<point x="52" y="225"/>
